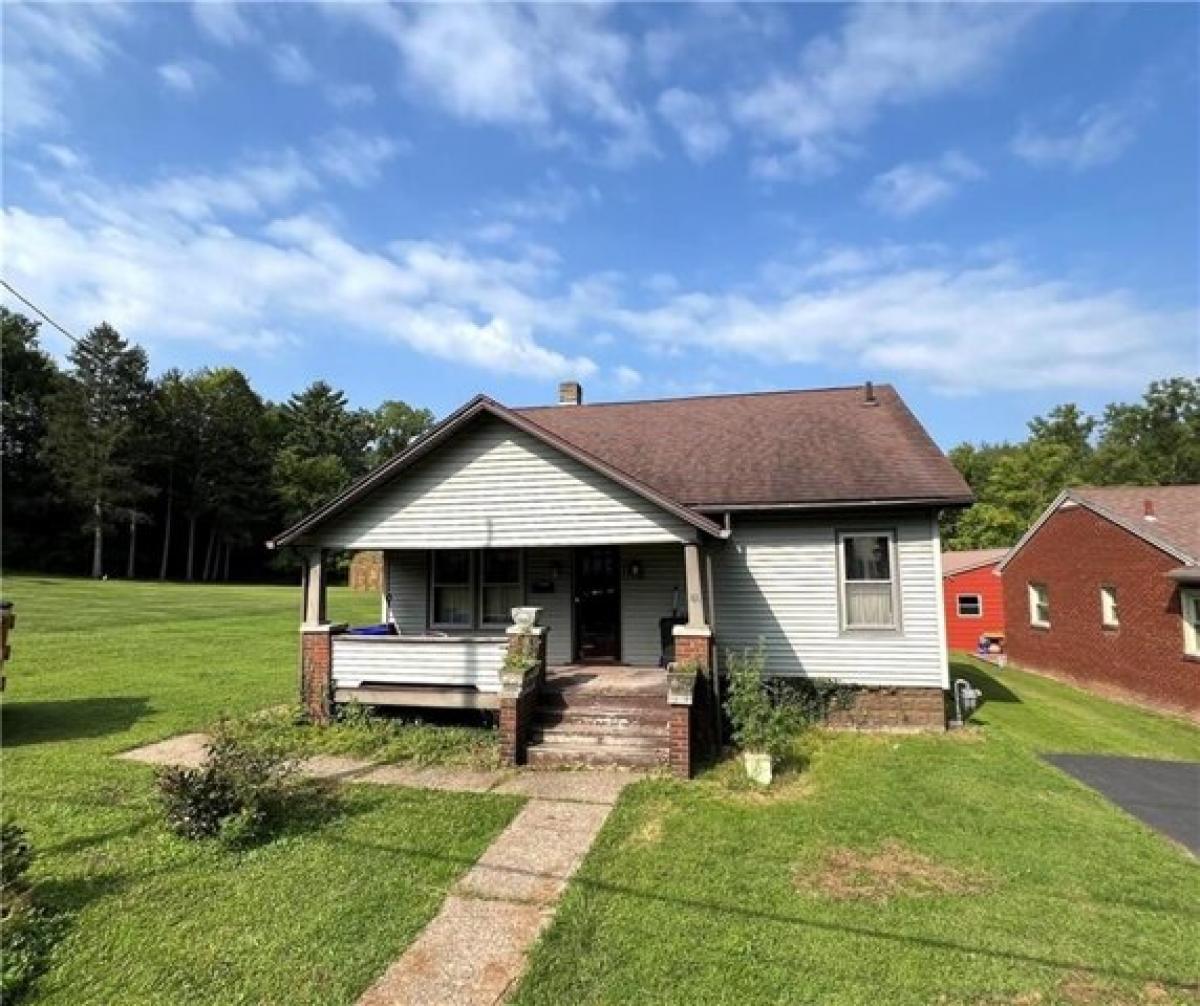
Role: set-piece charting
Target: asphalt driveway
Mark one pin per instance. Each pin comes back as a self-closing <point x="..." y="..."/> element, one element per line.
<point x="1163" y="794"/>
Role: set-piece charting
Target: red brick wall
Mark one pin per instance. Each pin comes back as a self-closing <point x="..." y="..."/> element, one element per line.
<point x="900" y="709"/>
<point x="1073" y="553"/>
<point x="316" y="674"/>
<point x="963" y="633"/>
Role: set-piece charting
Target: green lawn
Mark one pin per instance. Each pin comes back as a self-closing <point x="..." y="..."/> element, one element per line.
<point x="1028" y="888"/>
<point x="313" y="917"/>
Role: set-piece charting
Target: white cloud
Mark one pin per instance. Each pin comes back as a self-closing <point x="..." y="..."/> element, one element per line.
<point x="961" y="325"/>
<point x="62" y="155"/>
<point x="550" y="198"/>
<point x="187" y="76"/>
<point x="1099" y="136"/>
<point x="227" y="260"/>
<point x="523" y="67"/>
<point x="222" y="21"/>
<point x="355" y="157"/>
<point x="350" y="95"/>
<point x="914" y="186"/>
<point x="627" y="377"/>
<point x="46" y="46"/>
<point x="290" y="65"/>
<point x="696" y="120"/>
<point x="886" y="54"/>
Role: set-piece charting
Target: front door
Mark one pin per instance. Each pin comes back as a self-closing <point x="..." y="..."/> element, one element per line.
<point x="598" y="603"/>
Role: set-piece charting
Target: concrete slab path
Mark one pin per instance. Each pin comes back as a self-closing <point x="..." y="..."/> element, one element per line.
<point x="474" y="951"/>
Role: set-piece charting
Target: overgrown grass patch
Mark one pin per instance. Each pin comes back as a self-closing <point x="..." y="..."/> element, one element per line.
<point x="312" y="916"/>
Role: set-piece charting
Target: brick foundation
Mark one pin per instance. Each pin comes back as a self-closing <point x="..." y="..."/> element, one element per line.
<point x="693" y="648"/>
<point x="519" y="694"/>
<point x="690" y="729"/>
<point x="316" y="672"/>
<point x="900" y="709"/>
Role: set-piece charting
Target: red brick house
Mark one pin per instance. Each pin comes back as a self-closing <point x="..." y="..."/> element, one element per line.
<point x="1104" y="589"/>
<point x="973" y="599"/>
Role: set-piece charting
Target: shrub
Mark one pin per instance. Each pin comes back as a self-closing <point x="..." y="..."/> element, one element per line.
<point x="27" y="932"/>
<point x="762" y="718"/>
<point x="239" y="794"/>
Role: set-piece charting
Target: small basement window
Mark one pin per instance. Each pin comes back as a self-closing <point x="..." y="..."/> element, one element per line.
<point x="1189" y="602"/>
<point x="1039" y="605"/>
<point x="868" y="580"/>
<point x="1110" y="616"/>
<point x="970" y="606"/>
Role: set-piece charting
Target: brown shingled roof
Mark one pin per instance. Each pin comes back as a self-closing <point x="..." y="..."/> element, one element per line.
<point x="769" y="448"/>
<point x="1176" y="520"/>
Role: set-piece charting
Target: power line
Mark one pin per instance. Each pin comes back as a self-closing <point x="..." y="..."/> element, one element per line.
<point x="30" y="304"/>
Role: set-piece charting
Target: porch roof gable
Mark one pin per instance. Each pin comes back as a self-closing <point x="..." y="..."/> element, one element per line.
<point x="446" y="430"/>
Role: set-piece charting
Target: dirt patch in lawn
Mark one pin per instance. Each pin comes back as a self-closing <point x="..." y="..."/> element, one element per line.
<point x="653" y="826"/>
<point x="892" y="871"/>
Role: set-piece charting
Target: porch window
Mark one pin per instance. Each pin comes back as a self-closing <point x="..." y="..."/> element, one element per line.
<point x="451" y="572"/>
<point x="1039" y="605"/>
<point x="500" y="584"/>
<point x="868" y="581"/>
<point x="1189" y="602"/>
<point x="970" y="605"/>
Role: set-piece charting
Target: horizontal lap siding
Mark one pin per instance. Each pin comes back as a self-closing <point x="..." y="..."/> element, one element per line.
<point x="406" y="574"/>
<point x="776" y="580"/>
<point x="556" y="607"/>
<point x="495" y="486"/>
<point x="356" y="662"/>
<point x="645" y="601"/>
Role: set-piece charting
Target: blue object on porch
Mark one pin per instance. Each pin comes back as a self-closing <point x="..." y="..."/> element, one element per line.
<point x="372" y="630"/>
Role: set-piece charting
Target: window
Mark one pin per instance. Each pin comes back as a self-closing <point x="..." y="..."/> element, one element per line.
<point x="1110" y="617"/>
<point x="1039" y="605"/>
<point x="970" y="605"/>
<point x="452" y="588"/>
<point x="868" y="585"/>
<point x="501" y="585"/>
<point x="1189" y="602"/>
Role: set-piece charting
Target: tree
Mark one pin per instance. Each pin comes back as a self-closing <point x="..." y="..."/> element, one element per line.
<point x="95" y="422"/>
<point x="396" y="425"/>
<point x="1156" y="442"/>
<point x="28" y="380"/>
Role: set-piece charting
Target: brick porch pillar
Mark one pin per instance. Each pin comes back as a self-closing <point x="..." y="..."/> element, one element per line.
<point x="519" y="688"/>
<point x="316" y="642"/>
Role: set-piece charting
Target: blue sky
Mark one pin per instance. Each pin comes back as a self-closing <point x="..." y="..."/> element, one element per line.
<point x="994" y="208"/>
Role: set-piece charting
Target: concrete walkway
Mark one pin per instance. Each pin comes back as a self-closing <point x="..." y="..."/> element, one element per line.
<point x="474" y="950"/>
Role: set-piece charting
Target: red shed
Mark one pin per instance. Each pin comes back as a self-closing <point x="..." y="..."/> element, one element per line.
<point x="973" y="596"/>
<point x="1104" y="589"/>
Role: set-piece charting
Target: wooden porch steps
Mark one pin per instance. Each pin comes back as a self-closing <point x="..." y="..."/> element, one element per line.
<point x="597" y="724"/>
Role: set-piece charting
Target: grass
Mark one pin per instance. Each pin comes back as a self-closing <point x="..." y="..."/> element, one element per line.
<point x="312" y="917"/>
<point x="949" y="869"/>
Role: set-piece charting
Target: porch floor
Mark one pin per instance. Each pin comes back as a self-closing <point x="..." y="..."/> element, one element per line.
<point x="606" y="679"/>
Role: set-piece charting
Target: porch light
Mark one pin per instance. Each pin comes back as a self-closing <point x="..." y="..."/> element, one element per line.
<point x="635" y="570"/>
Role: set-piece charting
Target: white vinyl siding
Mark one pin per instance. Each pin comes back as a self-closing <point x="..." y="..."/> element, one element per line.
<point x="776" y="581"/>
<point x="541" y="565"/>
<point x="644" y="601"/>
<point x="405" y="574"/>
<point x="493" y="486"/>
<point x="384" y="660"/>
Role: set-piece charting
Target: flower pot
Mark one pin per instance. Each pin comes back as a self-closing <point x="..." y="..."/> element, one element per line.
<point x="758" y="766"/>
<point x="525" y="618"/>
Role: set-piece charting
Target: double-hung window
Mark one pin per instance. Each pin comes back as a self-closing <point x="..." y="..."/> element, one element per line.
<point x="970" y="605"/>
<point x="1110" y="614"/>
<point x="1189" y="601"/>
<point x="500" y="585"/>
<point x="451" y="572"/>
<point x="867" y="561"/>
<point x="1039" y="605"/>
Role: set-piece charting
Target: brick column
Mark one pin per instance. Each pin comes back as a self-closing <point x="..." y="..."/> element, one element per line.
<point x="519" y="686"/>
<point x="681" y="696"/>
<point x="316" y="670"/>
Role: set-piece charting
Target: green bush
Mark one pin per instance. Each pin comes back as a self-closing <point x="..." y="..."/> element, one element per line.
<point x="239" y="794"/>
<point x="27" y="932"/>
<point x="761" y="717"/>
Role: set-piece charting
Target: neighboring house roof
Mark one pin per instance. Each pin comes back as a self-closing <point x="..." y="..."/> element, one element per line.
<point x="1172" y="525"/>
<point x="755" y="451"/>
<point x="778" y="448"/>
<point x="975" y="558"/>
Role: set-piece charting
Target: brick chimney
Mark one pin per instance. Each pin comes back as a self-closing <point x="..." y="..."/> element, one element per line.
<point x="1148" y="510"/>
<point x="570" y="393"/>
<point x="869" y="394"/>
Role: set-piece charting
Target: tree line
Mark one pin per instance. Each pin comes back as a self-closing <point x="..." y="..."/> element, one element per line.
<point x="108" y="471"/>
<point x="1152" y="442"/>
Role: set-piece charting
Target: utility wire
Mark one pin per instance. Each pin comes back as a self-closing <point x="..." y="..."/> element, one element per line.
<point x="30" y="304"/>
